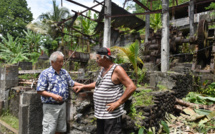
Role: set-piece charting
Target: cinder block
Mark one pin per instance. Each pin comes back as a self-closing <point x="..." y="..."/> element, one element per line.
<point x="9" y="76"/>
<point x="25" y="65"/>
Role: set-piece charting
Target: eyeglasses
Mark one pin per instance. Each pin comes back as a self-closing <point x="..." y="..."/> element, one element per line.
<point x="98" y="81"/>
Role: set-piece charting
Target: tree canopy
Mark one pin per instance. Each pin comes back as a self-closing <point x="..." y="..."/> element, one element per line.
<point x="14" y="16"/>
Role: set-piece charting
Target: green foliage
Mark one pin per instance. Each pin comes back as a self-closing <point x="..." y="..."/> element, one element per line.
<point x="211" y="6"/>
<point x="87" y="25"/>
<point x="155" y="21"/>
<point x="93" y="120"/>
<point x="198" y="99"/>
<point x="33" y="41"/>
<point x="141" y="75"/>
<point x="140" y="99"/>
<point x="14" y="16"/>
<point x="11" y="96"/>
<point x="119" y="60"/>
<point x="10" y="119"/>
<point x="137" y="117"/>
<point x="185" y="48"/>
<point x="49" y="44"/>
<point x="212" y="15"/>
<point x="210" y="90"/>
<point x="143" y="98"/>
<point x="12" y="51"/>
<point x="69" y="38"/>
<point x="161" y="87"/>
<point x="131" y="52"/>
<point x="126" y="30"/>
<point x="165" y="126"/>
<point x="28" y="76"/>
<point x="204" y="128"/>
<point x="142" y="130"/>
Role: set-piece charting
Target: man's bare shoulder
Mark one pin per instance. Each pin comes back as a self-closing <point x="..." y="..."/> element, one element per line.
<point x="119" y="70"/>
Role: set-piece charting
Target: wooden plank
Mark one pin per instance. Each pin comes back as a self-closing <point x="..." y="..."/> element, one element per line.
<point x="30" y="71"/>
<point x="39" y="71"/>
<point x="8" y="127"/>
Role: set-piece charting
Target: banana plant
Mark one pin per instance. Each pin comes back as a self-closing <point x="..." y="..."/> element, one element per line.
<point x="12" y="51"/>
<point x="33" y="41"/>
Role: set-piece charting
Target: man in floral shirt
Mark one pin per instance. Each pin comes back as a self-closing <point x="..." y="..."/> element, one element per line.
<point x="53" y="86"/>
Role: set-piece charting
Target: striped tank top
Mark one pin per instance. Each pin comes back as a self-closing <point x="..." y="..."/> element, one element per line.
<point x="107" y="92"/>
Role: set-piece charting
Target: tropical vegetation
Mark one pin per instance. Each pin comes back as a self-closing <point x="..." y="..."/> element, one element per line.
<point x="23" y="40"/>
<point x="130" y="53"/>
<point x="14" y="16"/>
<point x="12" y="51"/>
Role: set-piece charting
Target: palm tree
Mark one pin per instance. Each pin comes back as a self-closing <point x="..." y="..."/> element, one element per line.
<point x="52" y="18"/>
<point x="131" y="52"/>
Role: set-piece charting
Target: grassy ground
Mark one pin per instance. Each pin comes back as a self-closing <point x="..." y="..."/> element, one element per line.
<point x="10" y="120"/>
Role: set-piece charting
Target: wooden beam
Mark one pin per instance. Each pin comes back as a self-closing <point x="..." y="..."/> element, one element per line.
<point x="140" y="4"/>
<point x="82" y="5"/>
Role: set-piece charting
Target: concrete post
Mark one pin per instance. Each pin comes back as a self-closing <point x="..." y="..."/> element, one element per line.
<point x="107" y="24"/>
<point x="81" y="73"/>
<point x="147" y="27"/>
<point x="30" y="113"/>
<point x="191" y="17"/>
<point x="8" y="79"/>
<point x="165" y="36"/>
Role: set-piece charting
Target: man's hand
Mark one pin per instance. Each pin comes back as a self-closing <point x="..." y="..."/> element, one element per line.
<point x="113" y="106"/>
<point x="77" y="88"/>
<point x="57" y="97"/>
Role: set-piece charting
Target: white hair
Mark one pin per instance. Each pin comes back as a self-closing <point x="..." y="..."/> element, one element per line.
<point x="54" y="56"/>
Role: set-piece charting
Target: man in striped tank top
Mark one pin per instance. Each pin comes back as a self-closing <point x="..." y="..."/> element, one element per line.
<point x="109" y="96"/>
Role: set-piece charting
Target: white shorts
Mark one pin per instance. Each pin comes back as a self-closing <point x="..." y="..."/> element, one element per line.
<point x="54" y="118"/>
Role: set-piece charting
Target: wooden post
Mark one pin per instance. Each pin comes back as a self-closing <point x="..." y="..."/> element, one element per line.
<point x="191" y="17"/>
<point x="107" y="24"/>
<point x="165" y="36"/>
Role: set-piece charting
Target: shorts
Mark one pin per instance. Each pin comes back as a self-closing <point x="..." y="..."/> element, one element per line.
<point x="109" y="126"/>
<point x="54" y="118"/>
